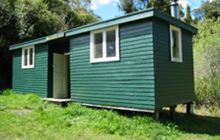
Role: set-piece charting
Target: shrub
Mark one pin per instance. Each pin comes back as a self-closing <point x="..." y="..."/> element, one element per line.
<point x="207" y="92"/>
<point x="207" y="63"/>
<point x="7" y="92"/>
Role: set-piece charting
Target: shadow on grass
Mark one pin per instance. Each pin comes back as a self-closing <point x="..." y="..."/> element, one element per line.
<point x="193" y="123"/>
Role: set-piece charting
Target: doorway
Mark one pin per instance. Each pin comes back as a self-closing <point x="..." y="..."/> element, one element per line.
<point x="60" y="76"/>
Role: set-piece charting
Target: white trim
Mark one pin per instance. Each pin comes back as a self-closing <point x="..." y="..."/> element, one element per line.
<point x="67" y="53"/>
<point x="28" y="66"/>
<point x="104" y="44"/>
<point x="180" y="59"/>
<point x="57" y="100"/>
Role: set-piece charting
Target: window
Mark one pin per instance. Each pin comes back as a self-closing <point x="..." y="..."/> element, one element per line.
<point x="104" y="45"/>
<point x="27" y="58"/>
<point x="176" y="44"/>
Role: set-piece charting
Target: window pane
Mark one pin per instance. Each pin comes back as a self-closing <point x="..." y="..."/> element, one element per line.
<point x="111" y="52"/>
<point x="31" y="56"/>
<point x="175" y="46"/>
<point x="25" y="57"/>
<point x="98" y="45"/>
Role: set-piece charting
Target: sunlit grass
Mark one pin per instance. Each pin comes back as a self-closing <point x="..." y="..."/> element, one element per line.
<point x="27" y="117"/>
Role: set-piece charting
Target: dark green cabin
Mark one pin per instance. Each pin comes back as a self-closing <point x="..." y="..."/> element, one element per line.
<point x="141" y="61"/>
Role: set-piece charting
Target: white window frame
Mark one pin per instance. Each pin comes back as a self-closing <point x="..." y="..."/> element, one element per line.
<point x="104" y="44"/>
<point x="28" y="66"/>
<point x="179" y="31"/>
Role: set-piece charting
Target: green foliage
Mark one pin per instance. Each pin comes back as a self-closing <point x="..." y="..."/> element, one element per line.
<point x="128" y="6"/>
<point x="207" y="49"/>
<point x="4" y="13"/>
<point x="207" y="62"/>
<point x="209" y="9"/>
<point x="163" y="5"/>
<point x="207" y="58"/>
<point x="206" y="28"/>
<point x="83" y="17"/>
<point x="7" y="92"/>
<point x="16" y="101"/>
<point x="26" y="116"/>
<point x="73" y="13"/>
<point x="43" y="17"/>
<point x="80" y="4"/>
<point x="8" y="31"/>
<point x="23" y="20"/>
<point x="208" y="92"/>
<point x="36" y="20"/>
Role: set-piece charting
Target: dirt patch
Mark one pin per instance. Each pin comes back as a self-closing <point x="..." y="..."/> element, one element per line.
<point x="3" y="138"/>
<point x="20" y="111"/>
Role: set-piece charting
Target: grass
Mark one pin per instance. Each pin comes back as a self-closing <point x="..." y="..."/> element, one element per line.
<point x="27" y="117"/>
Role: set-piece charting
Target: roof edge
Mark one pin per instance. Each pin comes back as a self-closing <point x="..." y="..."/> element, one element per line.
<point x="36" y="41"/>
<point x="27" y="43"/>
<point x="175" y="21"/>
<point x="111" y="22"/>
<point x="151" y="12"/>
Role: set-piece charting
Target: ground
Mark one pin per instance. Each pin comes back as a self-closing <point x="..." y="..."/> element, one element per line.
<point x="27" y="117"/>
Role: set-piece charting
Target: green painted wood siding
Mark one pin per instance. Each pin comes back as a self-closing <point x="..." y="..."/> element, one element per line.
<point x="31" y="80"/>
<point x="173" y="81"/>
<point x="126" y="83"/>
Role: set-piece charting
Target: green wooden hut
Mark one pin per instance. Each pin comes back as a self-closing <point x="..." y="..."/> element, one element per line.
<point x="141" y="61"/>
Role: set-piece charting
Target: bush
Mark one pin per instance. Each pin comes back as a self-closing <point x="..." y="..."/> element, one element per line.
<point x="207" y="63"/>
<point x="208" y="92"/>
<point x="7" y="92"/>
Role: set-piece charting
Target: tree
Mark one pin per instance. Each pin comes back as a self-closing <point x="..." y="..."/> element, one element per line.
<point x="128" y="6"/>
<point x="28" y="19"/>
<point x="74" y="13"/>
<point x="163" y="5"/>
<point x="209" y="9"/>
<point x="207" y="62"/>
<point x="8" y="35"/>
<point x="81" y="13"/>
<point x="80" y="4"/>
<point x="36" y="20"/>
<point x="188" y="18"/>
<point x="8" y="32"/>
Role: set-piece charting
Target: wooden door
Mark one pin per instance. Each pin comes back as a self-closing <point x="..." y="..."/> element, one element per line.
<point x="60" y="76"/>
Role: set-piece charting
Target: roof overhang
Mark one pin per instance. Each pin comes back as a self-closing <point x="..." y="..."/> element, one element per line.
<point x="120" y="20"/>
<point x="148" y="13"/>
<point x="132" y="17"/>
<point x="175" y="21"/>
<point x="37" y="41"/>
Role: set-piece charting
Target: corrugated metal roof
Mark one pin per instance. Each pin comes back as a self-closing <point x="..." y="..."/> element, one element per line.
<point x="120" y="20"/>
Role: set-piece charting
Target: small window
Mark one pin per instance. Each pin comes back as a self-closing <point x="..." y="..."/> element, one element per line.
<point x="27" y="58"/>
<point x="104" y="46"/>
<point x="176" y="44"/>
